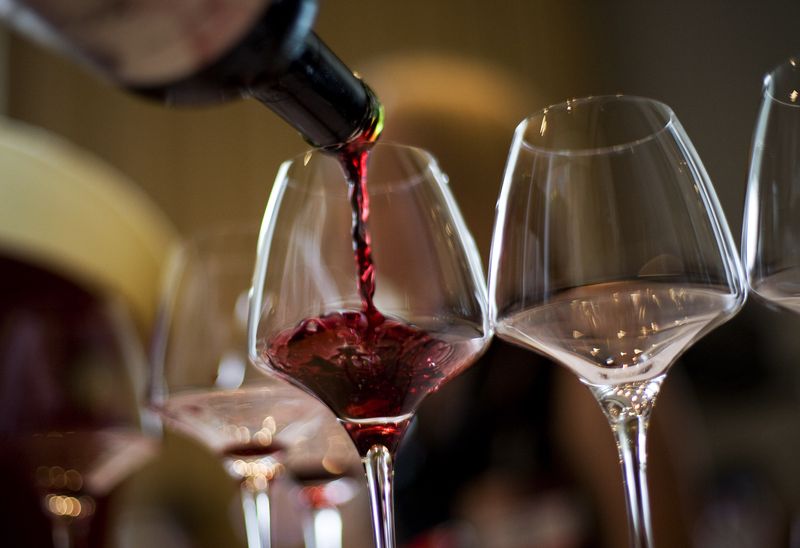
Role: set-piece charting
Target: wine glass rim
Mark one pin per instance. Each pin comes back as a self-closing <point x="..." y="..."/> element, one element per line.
<point x="304" y="158"/>
<point x="793" y="66"/>
<point x="669" y="121"/>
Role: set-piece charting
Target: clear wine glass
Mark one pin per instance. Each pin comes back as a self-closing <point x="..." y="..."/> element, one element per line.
<point x="71" y="382"/>
<point x="202" y="385"/>
<point x="611" y="256"/>
<point x="771" y="233"/>
<point x="372" y="358"/>
<point x="325" y="468"/>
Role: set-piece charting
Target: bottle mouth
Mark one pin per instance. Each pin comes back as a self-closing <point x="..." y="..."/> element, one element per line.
<point x="783" y="83"/>
<point x="368" y="131"/>
<point x="595" y="125"/>
<point x="373" y="125"/>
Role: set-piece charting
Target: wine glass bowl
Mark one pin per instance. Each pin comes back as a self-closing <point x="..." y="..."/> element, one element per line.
<point x="611" y="256"/>
<point x="203" y="386"/>
<point x="426" y="285"/>
<point x="370" y="317"/>
<point x="771" y="232"/>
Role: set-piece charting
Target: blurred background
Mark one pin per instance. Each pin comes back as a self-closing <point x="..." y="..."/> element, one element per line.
<point x="514" y="453"/>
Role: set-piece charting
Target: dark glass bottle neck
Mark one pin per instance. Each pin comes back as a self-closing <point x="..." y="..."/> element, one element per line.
<point x="321" y="98"/>
<point x="286" y="66"/>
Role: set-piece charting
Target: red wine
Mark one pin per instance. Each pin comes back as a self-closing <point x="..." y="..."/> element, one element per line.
<point x="326" y="491"/>
<point x="367" y="434"/>
<point x="354" y="159"/>
<point x="372" y="374"/>
<point x="371" y="370"/>
<point x="251" y="450"/>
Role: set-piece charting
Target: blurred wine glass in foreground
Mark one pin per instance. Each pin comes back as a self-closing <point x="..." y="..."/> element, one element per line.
<point x="201" y="383"/>
<point x="71" y="378"/>
<point x="611" y="256"/>
<point x="771" y="233"/>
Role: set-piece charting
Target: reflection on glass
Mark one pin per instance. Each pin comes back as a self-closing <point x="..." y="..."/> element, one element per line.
<point x="771" y="234"/>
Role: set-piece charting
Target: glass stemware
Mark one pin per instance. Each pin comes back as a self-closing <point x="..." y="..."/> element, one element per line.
<point x="771" y="232"/>
<point x="71" y="380"/>
<point x="611" y="256"/>
<point x="371" y="361"/>
<point x="202" y="384"/>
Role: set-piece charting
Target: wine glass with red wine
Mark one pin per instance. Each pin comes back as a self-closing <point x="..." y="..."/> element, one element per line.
<point x="261" y="428"/>
<point x="611" y="256"/>
<point x="71" y="382"/>
<point x="368" y="294"/>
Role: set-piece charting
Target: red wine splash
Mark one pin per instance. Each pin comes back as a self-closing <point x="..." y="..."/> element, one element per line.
<point x="372" y="371"/>
<point x="369" y="372"/>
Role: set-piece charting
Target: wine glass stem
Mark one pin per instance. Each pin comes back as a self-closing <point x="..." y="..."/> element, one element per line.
<point x="256" y="507"/>
<point x="631" y="436"/>
<point x="380" y="481"/>
<point x="62" y="538"/>
<point x="627" y="408"/>
<point x="67" y="533"/>
<point x="322" y="528"/>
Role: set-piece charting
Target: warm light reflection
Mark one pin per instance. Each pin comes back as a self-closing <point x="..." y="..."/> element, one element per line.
<point x="793" y="96"/>
<point x="255" y="474"/>
<point x="337" y="455"/>
<point x="56" y="477"/>
<point x="69" y="506"/>
<point x="241" y="435"/>
<point x="629" y="400"/>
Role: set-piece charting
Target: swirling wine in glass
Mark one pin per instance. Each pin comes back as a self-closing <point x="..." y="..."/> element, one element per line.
<point x="371" y="350"/>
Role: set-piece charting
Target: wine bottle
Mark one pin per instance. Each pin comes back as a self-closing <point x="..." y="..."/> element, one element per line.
<point x="193" y="52"/>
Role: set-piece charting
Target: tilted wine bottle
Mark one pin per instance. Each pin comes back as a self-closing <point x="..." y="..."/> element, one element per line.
<point x="188" y="52"/>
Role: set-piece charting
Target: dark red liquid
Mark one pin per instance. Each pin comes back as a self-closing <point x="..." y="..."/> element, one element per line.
<point x="354" y="159"/>
<point x="251" y="450"/>
<point x="314" y="476"/>
<point x="367" y="370"/>
<point x="372" y="371"/>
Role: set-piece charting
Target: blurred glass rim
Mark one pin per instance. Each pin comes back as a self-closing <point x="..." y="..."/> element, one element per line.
<point x="539" y="121"/>
<point x="782" y="84"/>
<point x="65" y="210"/>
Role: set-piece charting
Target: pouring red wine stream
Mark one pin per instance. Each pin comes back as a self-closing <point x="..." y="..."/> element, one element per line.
<point x="372" y="370"/>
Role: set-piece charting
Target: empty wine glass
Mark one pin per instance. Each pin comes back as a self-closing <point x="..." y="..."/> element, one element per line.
<point x="71" y="380"/>
<point x="203" y="386"/>
<point x="771" y="233"/>
<point x="611" y="256"/>
<point x="371" y="357"/>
